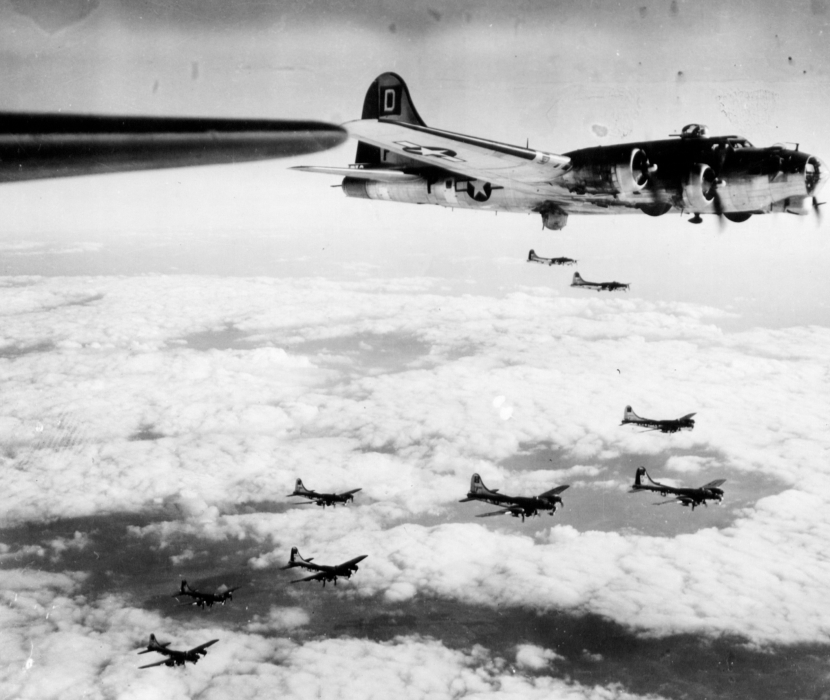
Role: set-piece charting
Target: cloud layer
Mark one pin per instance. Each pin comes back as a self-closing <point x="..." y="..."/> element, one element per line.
<point x="183" y="398"/>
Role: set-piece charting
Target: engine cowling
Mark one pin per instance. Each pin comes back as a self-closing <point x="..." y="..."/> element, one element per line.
<point x="624" y="174"/>
<point x="699" y="188"/>
<point x="633" y="175"/>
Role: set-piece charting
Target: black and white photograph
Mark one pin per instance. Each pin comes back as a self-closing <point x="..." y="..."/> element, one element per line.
<point x="423" y="350"/>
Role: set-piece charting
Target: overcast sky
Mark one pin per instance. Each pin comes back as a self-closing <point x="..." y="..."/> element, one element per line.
<point x="178" y="347"/>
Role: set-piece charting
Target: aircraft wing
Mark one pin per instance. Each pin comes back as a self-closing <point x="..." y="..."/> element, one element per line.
<point x="304" y="565"/>
<point x="478" y="159"/>
<point x="713" y="484"/>
<point x="688" y="415"/>
<point x="503" y="511"/>
<point x="351" y="562"/>
<point x="320" y="576"/>
<point x="36" y="146"/>
<point x="199" y="649"/>
<point x="681" y="499"/>
<point x="163" y="662"/>
<point x="554" y="492"/>
<point x="349" y="493"/>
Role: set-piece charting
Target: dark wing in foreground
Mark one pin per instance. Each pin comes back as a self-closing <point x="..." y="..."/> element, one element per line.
<point x="352" y="562"/>
<point x="36" y="146"/>
<point x="202" y="647"/>
<point x="158" y="663"/>
<point x="554" y="492"/>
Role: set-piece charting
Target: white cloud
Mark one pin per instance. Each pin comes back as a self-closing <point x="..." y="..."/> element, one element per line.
<point x="279" y="619"/>
<point x="535" y="658"/>
<point x="56" y="642"/>
<point x="135" y="421"/>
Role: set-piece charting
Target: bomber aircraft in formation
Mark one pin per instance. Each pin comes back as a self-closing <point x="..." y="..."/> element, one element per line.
<point x="532" y="257"/>
<point x="222" y="594"/>
<point x="664" y="426"/>
<point x="517" y="506"/>
<point x="400" y="159"/>
<point x="684" y="496"/>
<point x="322" y="499"/>
<point x="599" y="286"/>
<point x="324" y="572"/>
<point x="174" y="657"/>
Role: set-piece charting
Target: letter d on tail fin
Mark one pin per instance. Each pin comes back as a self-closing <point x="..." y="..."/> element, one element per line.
<point x="387" y="98"/>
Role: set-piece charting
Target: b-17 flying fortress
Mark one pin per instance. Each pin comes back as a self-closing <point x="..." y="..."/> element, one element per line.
<point x="532" y="257"/>
<point x="683" y="496"/>
<point x="664" y="426"/>
<point x="400" y="159"/>
<point x="599" y="286"/>
<point x="322" y="499"/>
<point x="517" y="506"/>
<point x="203" y="600"/>
<point x="174" y="657"/>
<point x="323" y="572"/>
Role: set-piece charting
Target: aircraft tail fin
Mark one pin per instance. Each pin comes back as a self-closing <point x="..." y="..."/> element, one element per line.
<point x="296" y="559"/>
<point x="184" y="587"/>
<point x="638" y="478"/>
<point x="154" y="645"/>
<point x="629" y="416"/>
<point x="477" y="486"/>
<point x="387" y="98"/>
<point x="299" y="488"/>
<point x="577" y="280"/>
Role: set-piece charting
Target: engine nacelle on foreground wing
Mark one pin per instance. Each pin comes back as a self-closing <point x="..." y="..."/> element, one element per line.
<point x="699" y="189"/>
<point x="627" y="176"/>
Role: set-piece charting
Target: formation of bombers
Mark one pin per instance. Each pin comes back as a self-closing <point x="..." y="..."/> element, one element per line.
<point x="399" y="158"/>
<point x="516" y="506"/>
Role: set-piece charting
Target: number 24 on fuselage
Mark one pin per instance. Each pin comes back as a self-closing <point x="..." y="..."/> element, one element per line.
<point x="401" y="159"/>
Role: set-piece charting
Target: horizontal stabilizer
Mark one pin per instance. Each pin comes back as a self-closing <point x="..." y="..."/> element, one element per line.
<point x="376" y="174"/>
